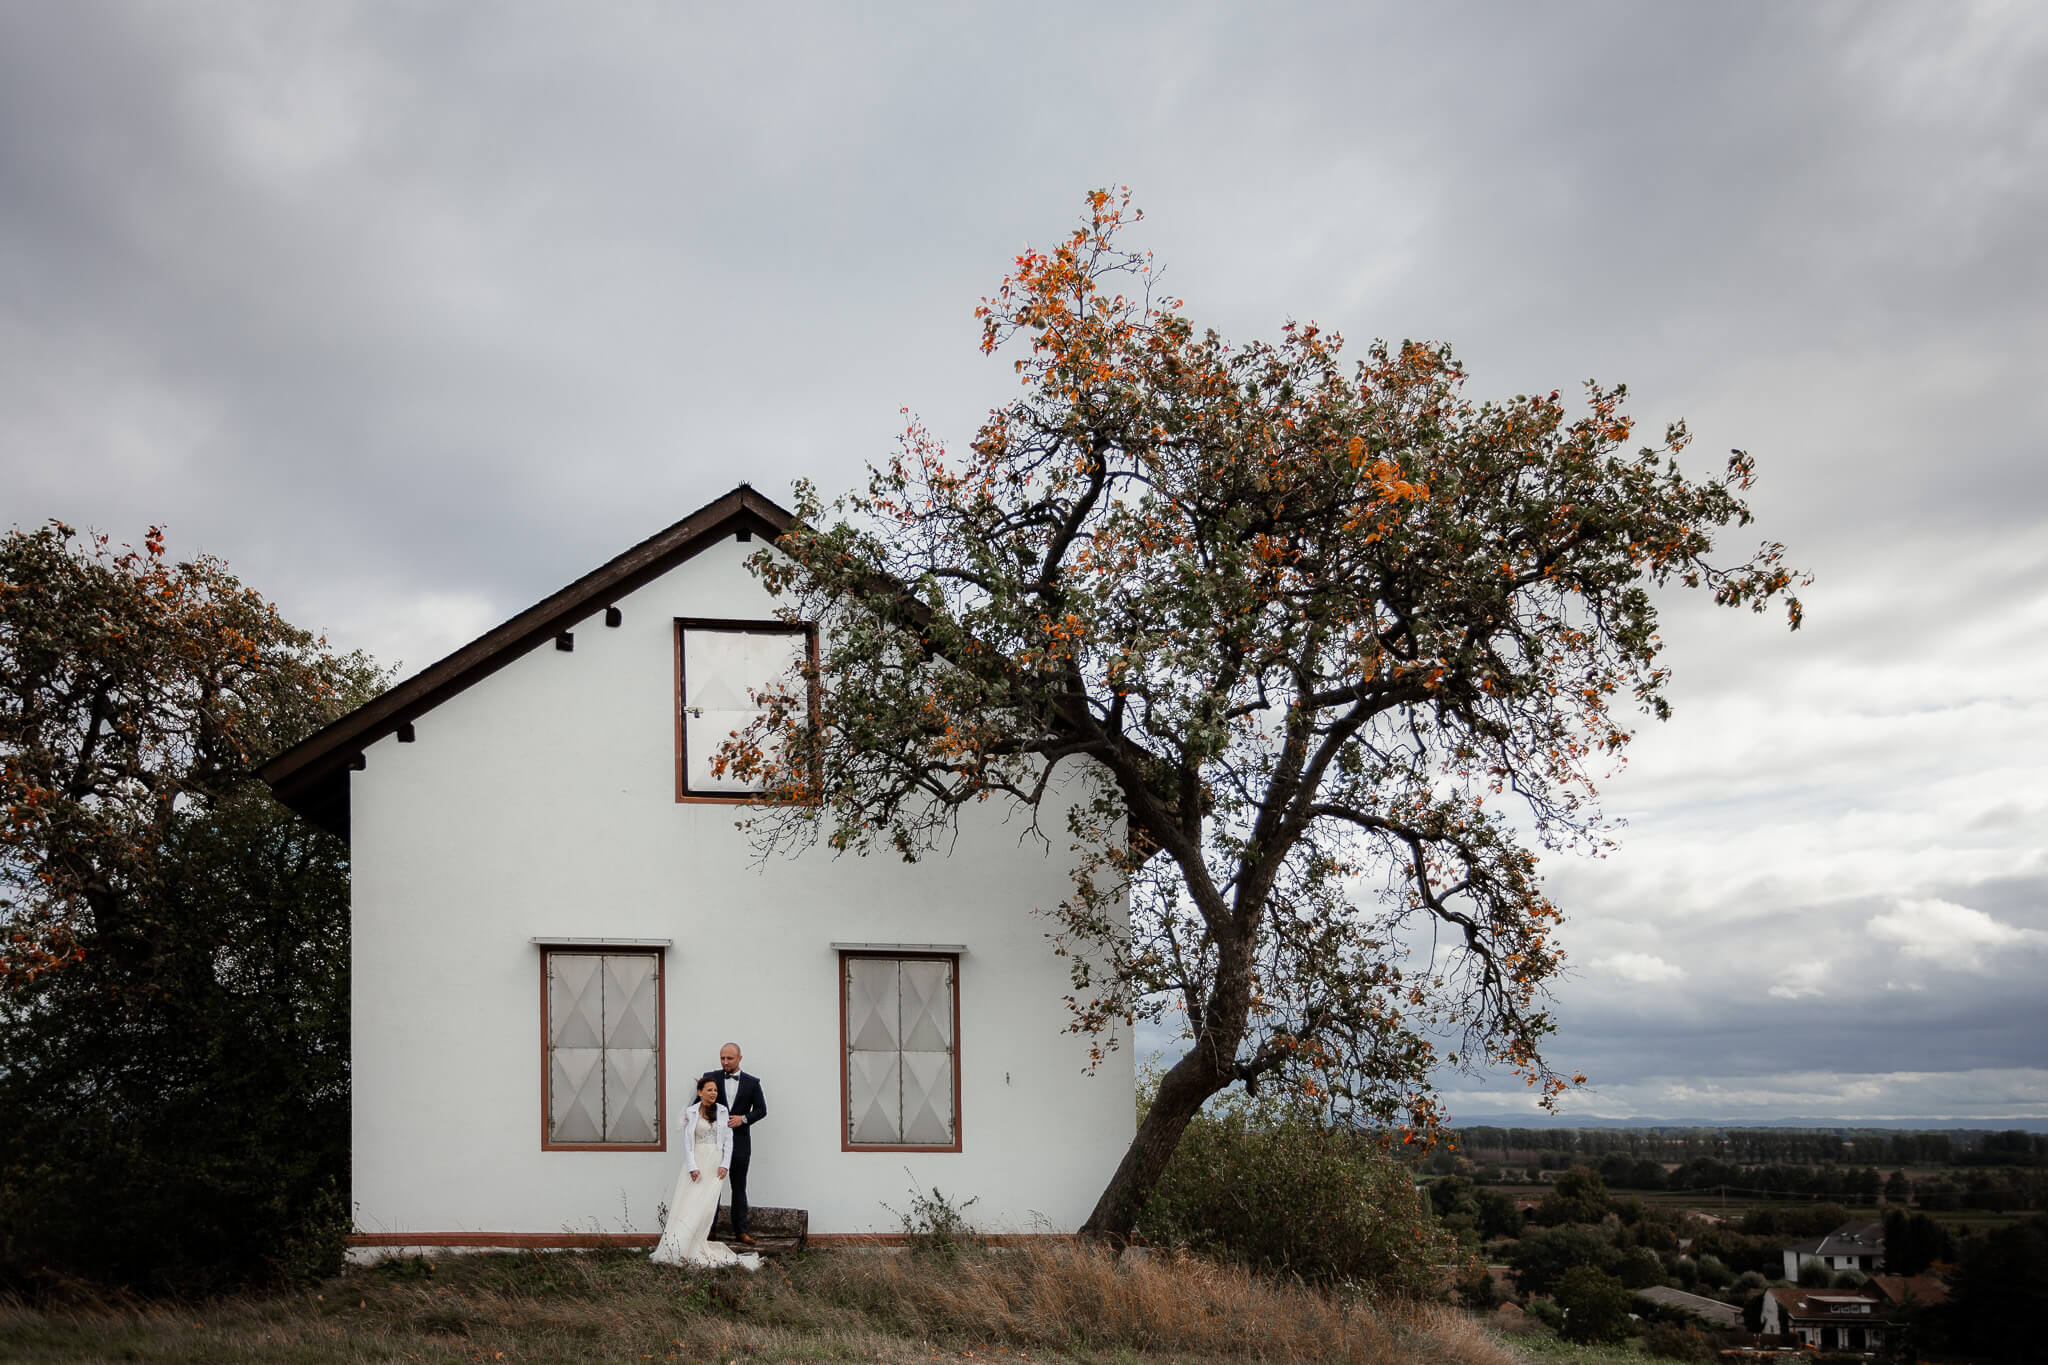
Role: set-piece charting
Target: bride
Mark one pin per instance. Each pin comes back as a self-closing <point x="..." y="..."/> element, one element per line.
<point x="707" y="1142"/>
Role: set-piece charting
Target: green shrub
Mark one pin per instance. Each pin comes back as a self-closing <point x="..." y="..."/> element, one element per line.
<point x="1477" y="1290"/>
<point x="935" y="1225"/>
<point x="1595" y="1306"/>
<point x="1546" y="1312"/>
<point x="1284" y="1194"/>
<point x="1675" y="1342"/>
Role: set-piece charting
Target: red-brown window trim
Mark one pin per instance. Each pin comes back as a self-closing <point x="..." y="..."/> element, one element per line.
<point x="661" y="1068"/>
<point x="846" y="1142"/>
<point x="809" y="629"/>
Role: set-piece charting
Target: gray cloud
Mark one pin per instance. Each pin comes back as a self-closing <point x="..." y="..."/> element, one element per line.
<point x="415" y="314"/>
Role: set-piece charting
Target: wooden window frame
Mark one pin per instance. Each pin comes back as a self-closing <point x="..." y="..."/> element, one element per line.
<point x="846" y="1142"/>
<point x="547" y="1070"/>
<point x="808" y="629"/>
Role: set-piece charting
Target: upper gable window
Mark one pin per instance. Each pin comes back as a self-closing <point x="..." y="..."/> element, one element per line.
<point x="723" y="666"/>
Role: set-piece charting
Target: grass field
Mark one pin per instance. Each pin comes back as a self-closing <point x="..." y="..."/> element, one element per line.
<point x="1054" y="1303"/>
<point x="1732" y="1208"/>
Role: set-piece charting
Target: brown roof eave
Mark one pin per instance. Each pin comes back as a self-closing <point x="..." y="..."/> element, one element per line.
<point x="312" y="776"/>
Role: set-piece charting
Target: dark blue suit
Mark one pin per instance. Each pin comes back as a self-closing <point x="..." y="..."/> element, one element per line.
<point x="745" y="1102"/>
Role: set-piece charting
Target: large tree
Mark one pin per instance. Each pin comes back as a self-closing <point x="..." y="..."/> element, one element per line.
<point x="173" y="943"/>
<point x="1309" y="660"/>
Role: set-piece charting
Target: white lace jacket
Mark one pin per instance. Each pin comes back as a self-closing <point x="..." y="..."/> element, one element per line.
<point x="686" y="1124"/>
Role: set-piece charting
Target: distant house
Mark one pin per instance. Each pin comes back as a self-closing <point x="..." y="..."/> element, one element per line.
<point x="1710" y="1311"/>
<point x="1851" y="1323"/>
<point x="1852" y="1246"/>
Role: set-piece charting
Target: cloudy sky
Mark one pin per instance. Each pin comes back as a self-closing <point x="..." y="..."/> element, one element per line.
<point x="415" y="312"/>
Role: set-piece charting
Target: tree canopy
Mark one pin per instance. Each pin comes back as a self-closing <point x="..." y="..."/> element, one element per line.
<point x="133" y="689"/>
<point x="1307" y="658"/>
<point x="173" y="943"/>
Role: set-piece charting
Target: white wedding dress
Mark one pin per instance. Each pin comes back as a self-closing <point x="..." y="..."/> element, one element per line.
<point x="686" y="1240"/>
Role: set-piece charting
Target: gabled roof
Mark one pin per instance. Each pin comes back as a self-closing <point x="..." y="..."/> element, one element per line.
<point x="1819" y="1306"/>
<point x="1921" y="1289"/>
<point x="312" y="776"/>
<point x="1712" y="1310"/>
<point x="1850" y="1239"/>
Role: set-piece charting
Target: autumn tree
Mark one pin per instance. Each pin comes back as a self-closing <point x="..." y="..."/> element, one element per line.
<point x="1307" y="660"/>
<point x="173" y="943"/>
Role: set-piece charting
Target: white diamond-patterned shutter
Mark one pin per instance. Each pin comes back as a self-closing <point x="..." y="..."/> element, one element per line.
<point x="604" y="1048"/>
<point x="632" y="1058"/>
<point x="925" y="1007"/>
<point x="722" y="672"/>
<point x="899" y="1052"/>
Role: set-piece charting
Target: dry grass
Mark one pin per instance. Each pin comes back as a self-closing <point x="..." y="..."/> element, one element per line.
<point x="1081" y="1299"/>
<point x="1051" y="1302"/>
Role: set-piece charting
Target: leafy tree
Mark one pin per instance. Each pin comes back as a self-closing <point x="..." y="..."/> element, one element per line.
<point x="173" y="944"/>
<point x="1541" y="1258"/>
<point x="1595" y="1305"/>
<point x="1281" y="643"/>
<point x="1913" y="1242"/>
<point x="1640" y="1268"/>
<point x="1578" y="1196"/>
<point x="1995" y="1300"/>
<point x="1497" y="1215"/>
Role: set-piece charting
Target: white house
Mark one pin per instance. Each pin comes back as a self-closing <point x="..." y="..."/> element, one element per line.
<point x="556" y="922"/>
<point x="1850" y="1323"/>
<point x="1852" y="1246"/>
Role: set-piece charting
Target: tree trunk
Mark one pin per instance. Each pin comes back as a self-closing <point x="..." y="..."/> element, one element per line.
<point x="1182" y="1093"/>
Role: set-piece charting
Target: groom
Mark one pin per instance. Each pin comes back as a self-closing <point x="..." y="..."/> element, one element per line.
<point x="742" y="1095"/>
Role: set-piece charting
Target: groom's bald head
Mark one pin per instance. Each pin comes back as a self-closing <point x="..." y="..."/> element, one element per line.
<point x="729" y="1057"/>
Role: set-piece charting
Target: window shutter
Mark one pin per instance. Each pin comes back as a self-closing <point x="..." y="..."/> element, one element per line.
<point x="925" y="998"/>
<point x="722" y="669"/>
<point x="900" y="1052"/>
<point x="873" y="1052"/>
<point x="632" y="1020"/>
<point x="604" y="1048"/>
<point x="575" y="1048"/>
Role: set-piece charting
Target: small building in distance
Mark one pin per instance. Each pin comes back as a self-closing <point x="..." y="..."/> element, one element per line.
<point x="1852" y="1246"/>
<point x="1712" y="1312"/>
<point x="1853" y="1323"/>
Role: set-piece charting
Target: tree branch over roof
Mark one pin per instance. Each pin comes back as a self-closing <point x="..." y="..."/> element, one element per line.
<point x="1310" y="626"/>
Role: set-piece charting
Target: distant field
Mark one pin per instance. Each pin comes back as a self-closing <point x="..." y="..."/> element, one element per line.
<point x="1735" y="1206"/>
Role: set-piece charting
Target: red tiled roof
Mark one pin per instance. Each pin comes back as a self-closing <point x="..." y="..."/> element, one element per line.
<point x="1910" y="1288"/>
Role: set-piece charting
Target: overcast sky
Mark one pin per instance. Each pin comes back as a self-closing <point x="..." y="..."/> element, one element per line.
<point x="414" y="312"/>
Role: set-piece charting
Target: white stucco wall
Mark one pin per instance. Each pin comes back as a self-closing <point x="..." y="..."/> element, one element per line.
<point x="541" y="802"/>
